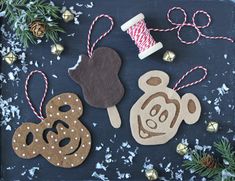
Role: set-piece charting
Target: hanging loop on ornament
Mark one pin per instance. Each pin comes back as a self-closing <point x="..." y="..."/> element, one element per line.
<point x="179" y="26"/>
<point x="39" y="115"/>
<point x="176" y="88"/>
<point x="90" y="47"/>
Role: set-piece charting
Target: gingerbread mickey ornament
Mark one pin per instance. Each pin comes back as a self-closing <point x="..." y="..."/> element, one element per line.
<point x="158" y="113"/>
<point x="60" y="137"/>
<point x="97" y="74"/>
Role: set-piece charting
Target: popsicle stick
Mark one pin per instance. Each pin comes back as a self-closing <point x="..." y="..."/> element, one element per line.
<point x="114" y="116"/>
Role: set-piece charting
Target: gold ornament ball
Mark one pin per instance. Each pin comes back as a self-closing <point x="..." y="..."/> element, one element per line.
<point x="182" y="149"/>
<point x="151" y="174"/>
<point x="169" y="56"/>
<point x="212" y="127"/>
<point x="10" y="58"/>
<point x="57" y="49"/>
<point x="67" y="16"/>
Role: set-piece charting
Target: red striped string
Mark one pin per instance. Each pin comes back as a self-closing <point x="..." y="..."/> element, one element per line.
<point x="140" y="34"/>
<point x="39" y="115"/>
<point x="179" y="26"/>
<point x="89" y="47"/>
<point x="176" y="88"/>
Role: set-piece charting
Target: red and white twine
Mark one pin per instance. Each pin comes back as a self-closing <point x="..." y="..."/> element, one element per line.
<point x="39" y="115"/>
<point x="90" y="48"/>
<point x="140" y="34"/>
<point x="176" y="88"/>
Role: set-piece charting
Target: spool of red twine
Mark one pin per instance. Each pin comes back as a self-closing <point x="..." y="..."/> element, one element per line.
<point x="140" y="34"/>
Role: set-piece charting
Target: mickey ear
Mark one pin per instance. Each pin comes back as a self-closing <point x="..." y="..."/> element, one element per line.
<point x="153" y="79"/>
<point x="191" y="108"/>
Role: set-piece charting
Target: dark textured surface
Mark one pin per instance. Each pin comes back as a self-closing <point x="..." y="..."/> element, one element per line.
<point x="208" y="53"/>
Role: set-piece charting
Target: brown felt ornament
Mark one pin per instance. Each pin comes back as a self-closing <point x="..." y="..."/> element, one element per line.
<point x="158" y="113"/>
<point x="60" y="137"/>
<point x="97" y="74"/>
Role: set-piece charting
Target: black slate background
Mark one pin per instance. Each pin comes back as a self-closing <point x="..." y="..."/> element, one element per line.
<point x="155" y="11"/>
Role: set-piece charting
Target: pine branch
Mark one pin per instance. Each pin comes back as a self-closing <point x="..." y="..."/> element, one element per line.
<point x="211" y="168"/>
<point x="226" y="150"/>
<point x="21" y="13"/>
<point x="197" y="166"/>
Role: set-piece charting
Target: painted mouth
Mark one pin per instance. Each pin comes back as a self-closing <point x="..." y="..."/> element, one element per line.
<point x="143" y="133"/>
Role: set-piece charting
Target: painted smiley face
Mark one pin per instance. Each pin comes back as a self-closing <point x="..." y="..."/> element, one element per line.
<point x="158" y="112"/>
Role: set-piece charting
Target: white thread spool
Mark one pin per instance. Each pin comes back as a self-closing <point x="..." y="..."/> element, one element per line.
<point x="144" y="49"/>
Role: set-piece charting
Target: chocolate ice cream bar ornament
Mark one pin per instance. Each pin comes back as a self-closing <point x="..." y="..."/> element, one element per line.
<point x="97" y="74"/>
<point x="158" y="113"/>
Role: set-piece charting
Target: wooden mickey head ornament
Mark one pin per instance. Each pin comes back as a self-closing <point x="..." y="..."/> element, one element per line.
<point x="60" y="137"/>
<point x="97" y="74"/>
<point x="158" y="113"/>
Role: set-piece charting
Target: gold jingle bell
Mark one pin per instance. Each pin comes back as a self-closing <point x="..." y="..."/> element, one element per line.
<point x="10" y="58"/>
<point x="212" y="127"/>
<point x="57" y="49"/>
<point x="182" y="149"/>
<point x="67" y="16"/>
<point x="169" y="56"/>
<point x="151" y="174"/>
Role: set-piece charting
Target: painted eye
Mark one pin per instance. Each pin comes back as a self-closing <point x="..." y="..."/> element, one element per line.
<point x="154" y="111"/>
<point x="163" y="116"/>
<point x="151" y="124"/>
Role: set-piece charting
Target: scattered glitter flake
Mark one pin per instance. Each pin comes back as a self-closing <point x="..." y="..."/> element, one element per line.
<point x="24" y="172"/>
<point x="8" y="111"/>
<point x="79" y="5"/>
<point x="8" y="128"/>
<point x="72" y="34"/>
<point x="203" y="147"/>
<point x="179" y="175"/>
<point x="184" y="141"/>
<point x="36" y="64"/>
<point x="100" y="176"/>
<point x="108" y="158"/>
<point x="11" y="168"/>
<point x="122" y="176"/>
<point x="98" y="148"/>
<point x="147" y="165"/>
<point x="167" y="168"/>
<point x="11" y="76"/>
<point x="225" y="56"/>
<point x="217" y="109"/>
<point x="55" y="76"/>
<point x="89" y="5"/>
<point x="101" y="166"/>
<point x="32" y="172"/>
<point x="223" y="90"/>
<point x="94" y="124"/>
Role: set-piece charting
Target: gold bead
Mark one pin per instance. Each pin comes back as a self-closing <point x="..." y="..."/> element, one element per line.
<point x="182" y="149"/>
<point x="10" y="58"/>
<point x="212" y="127"/>
<point x="169" y="56"/>
<point x="67" y="16"/>
<point x="151" y="174"/>
<point x="57" y="49"/>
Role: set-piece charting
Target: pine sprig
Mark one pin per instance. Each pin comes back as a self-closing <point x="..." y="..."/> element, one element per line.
<point x="196" y="165"/>
<point x="214" y="169"/>
<point x="21" y="13"/>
